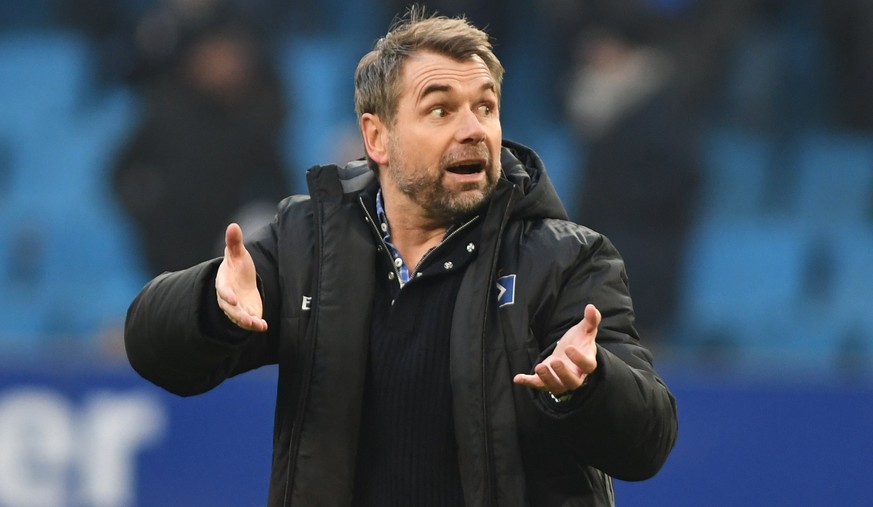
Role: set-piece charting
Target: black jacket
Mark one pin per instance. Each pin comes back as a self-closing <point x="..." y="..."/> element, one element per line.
<point x="516" y="447"/>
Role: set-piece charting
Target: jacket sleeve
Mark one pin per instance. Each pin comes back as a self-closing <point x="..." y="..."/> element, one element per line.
<point x="624" y="422"/>
<point x="170" y="334"/>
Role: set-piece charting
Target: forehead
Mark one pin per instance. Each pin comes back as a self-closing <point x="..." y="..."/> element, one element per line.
<point x="424" y="70"/>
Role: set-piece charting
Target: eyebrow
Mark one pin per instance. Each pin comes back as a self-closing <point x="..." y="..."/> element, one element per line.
<point x="437" y="88"/>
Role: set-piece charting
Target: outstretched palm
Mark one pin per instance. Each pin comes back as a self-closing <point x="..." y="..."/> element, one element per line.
<point x="236" y="284"/>
<point x="574" y="358"/>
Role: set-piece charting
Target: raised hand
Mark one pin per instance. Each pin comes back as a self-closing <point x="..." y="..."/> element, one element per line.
<point x="236" y="284"/>
<point x="574" y="358"/>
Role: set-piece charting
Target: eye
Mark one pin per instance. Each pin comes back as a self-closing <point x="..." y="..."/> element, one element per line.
<point x="485" y="109"/>
<point x="438" y="112"/>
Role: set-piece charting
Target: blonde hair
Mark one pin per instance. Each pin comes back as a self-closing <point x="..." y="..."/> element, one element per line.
<point x="377" y="77"/>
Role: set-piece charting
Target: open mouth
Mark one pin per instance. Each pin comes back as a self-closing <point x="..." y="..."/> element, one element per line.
<point x="470" y="168"/>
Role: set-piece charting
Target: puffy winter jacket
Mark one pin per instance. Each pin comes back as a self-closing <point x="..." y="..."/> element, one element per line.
<point x="533" y="275"/>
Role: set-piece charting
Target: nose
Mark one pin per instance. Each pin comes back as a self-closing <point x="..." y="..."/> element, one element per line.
<point x="470" y="130"/>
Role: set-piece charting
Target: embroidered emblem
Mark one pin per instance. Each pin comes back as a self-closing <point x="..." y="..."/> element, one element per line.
<point x="506" y="290"/>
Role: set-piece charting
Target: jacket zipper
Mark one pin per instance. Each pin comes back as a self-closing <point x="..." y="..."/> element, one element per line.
<point x="491" y="482"/>
<point x="491" y="487"/>
<point x="297" y="426"/>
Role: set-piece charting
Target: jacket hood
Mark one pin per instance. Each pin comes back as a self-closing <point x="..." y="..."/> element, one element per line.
<point x="524" y="168"/>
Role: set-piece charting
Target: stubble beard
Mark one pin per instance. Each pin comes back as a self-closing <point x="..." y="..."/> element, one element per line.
<point x="426" y="186"/>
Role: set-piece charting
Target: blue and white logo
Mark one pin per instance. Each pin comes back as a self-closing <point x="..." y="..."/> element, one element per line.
<point x="506" y="290"/>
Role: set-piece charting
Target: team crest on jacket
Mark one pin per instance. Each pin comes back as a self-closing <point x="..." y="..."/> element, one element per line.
<point x="506" y="290"/>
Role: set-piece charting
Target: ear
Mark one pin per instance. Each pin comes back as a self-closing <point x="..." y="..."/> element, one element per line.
<point x="374" y="133"/>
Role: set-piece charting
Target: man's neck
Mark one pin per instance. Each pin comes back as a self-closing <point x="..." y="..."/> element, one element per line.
<point x="412" y="233"/>
<point x="413" y="240"/>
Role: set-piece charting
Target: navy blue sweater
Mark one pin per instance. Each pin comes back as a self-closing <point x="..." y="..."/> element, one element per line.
<point x="407" y="453"/>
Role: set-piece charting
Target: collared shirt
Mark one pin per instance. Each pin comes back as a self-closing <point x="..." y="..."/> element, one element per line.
<point x="404" y="273"/>
<point x="402" y="268"/>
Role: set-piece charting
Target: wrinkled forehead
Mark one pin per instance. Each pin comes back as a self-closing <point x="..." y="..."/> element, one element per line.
<point x="427" y="72"/>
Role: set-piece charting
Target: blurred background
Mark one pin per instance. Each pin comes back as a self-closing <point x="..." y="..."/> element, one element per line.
<point x="726" y="147"/>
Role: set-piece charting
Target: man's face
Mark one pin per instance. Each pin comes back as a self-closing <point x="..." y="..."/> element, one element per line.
<point x="443" y="151"/>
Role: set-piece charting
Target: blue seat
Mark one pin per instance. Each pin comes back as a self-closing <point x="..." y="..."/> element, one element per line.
<point x="66" y="159"/>
<point x="562" y="156"/>
<point x="736" y="165"/>
<point x="831" y="325"/>
<point x="59" y="146"/>
<point x="65" y="276"/>
<point x="774" y="294"/>
<point x="845" y="301"/>
<point x="834" y="178"/>
<point x="317" y="74"/>
<point x="24" y="311"/>
<point x="68" y="264"/>
<point x="741" y="283"/>
<point x="41" y="73"/>
<point x="92" y="271"/>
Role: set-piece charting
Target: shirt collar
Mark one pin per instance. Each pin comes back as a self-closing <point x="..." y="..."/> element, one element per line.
<point x="402" y="268"/>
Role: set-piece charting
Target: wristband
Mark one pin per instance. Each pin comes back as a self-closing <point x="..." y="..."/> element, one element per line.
<point x="569" y="394"/>
<point x="562" y="398"/>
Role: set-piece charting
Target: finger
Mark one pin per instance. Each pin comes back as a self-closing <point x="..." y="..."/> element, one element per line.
<point x="584" y="362"/>
<point x="233" y="312"/>
<point x="245" y="321"/>
<point x="226" y="294"/>
<point x="224" y="290"/>
<point x="570" y="377"/>
<point x="550" y="380"/>
<point x="252" y="323"/>
<point x="528" y="381"/>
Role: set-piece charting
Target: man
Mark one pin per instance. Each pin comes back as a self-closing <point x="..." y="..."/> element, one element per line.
<point x="444" y="336"/>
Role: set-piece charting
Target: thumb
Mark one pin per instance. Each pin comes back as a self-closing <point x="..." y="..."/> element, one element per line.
<point x="233" y="240"/>
<point x="592" y="318"/>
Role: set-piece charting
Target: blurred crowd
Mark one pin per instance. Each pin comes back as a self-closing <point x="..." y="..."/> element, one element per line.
<point x="648" y="113"/>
